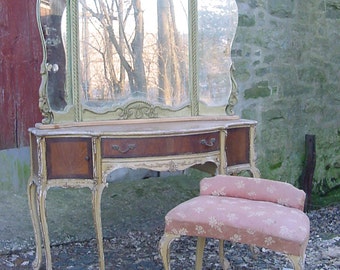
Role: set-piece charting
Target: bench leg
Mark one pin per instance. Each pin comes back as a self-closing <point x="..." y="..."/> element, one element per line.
<point x="223" y="261"/>
<point x="164" y="248"/>
<point x="221" y="252"/>
<point x="254" y="251"/>
<point x="297" y="261"/>
<point x="199" y="252"/>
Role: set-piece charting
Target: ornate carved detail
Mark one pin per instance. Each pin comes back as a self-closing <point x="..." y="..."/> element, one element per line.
<point x="173" y="166"/>
<point x="44" y="106"/>
<point x="161" y="165"/>
<point x="138" y="110"/>
<point x="254" y="170"/>
<point x="193" y="28"/>
<point x="74" y="16"/>
<point x="41" y="160"/>
<point x="95" y="142"/>
<point x="45" y="111"/>
<point x="233" y="95"/>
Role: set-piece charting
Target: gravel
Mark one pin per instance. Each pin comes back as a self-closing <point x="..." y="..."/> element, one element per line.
<point x="138" y="250"/>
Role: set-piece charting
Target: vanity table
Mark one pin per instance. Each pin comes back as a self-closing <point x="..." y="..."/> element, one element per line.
<point x="83" y="156"/>
<point x="108" y="102"/>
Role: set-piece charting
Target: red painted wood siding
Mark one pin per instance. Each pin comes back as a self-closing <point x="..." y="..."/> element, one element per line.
<point x="20" y="58"/>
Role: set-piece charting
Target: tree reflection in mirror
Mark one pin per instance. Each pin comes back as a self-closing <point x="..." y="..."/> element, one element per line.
<point x="154" y="57"/>
<point x="134" y="50"/>
<point x="51" y="13"/>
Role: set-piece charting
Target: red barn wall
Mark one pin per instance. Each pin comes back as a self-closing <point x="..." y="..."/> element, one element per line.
<point x="20" y="58"/>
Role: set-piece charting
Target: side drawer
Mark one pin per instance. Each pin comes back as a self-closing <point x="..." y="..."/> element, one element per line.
<point x="238" y="146"/>
<point x="69" y="158"/>
<point x="159" y="146"/>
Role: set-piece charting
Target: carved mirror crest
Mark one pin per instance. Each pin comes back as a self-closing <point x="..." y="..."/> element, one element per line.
<point x="128" y="59"/>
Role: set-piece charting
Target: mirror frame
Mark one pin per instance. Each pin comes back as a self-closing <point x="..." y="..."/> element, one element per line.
<point x="140" y="109"/>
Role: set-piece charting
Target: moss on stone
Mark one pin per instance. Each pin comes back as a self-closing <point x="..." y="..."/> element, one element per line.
<point x="260" y="90"/>
<point x="246" y="20"/>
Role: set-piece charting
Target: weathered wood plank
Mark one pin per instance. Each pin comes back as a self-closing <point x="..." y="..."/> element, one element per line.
<point x="20" y="57"/>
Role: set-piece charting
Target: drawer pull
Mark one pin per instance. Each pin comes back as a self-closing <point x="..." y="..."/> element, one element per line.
<point x="206" y="143"/>
<point x="129" y="147"/>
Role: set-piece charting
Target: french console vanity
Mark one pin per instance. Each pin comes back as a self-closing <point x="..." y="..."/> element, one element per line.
<point x="82" y="156"/>
<point x="102" y="110"/>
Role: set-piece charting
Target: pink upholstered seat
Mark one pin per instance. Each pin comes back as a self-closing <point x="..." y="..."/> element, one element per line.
<point x="252" y="211"/>
<point x="256" y="189"/>
<point x="239" y="220"/>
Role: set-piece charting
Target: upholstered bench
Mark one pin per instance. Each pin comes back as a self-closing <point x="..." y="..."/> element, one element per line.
<point x="253" y="211"/>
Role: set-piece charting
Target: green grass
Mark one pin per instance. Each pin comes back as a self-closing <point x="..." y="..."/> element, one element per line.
<point x="329" y="199"/>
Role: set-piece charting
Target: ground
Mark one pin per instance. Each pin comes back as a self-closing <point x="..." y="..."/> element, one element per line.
<point x="133" y="221"/>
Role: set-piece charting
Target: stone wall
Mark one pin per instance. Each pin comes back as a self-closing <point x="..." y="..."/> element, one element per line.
<point x="287" y="59"/>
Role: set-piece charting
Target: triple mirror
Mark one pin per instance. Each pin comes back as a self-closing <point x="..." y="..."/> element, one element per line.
<point x="135" y="59"/>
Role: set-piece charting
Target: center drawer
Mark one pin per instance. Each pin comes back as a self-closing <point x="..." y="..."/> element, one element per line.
<point x="159" y="146"/>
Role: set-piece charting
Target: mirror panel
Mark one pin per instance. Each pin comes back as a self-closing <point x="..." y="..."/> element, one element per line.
<point x="129" y="53"/>
<point x="52" y="18"/>
<point x="122" y="59"/>
<point x="217" y="23"/>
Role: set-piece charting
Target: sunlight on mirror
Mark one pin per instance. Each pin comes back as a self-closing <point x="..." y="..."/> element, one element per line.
<point x="217" y="23"/>
<point x="169" y="54"/>
<point x="134" y="50"/>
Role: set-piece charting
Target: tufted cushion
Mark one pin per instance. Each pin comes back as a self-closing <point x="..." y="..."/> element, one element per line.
<point x="260" y="223"/>
<point x="253" y="189"/>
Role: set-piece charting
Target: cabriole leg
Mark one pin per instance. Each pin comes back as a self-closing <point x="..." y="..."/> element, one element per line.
<point x="164" y="248"/>
<point x="297" y="261"/>
<point x="32" y="203"/>
<point x="44" y="228"/>
<point x="96" y="212"/>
